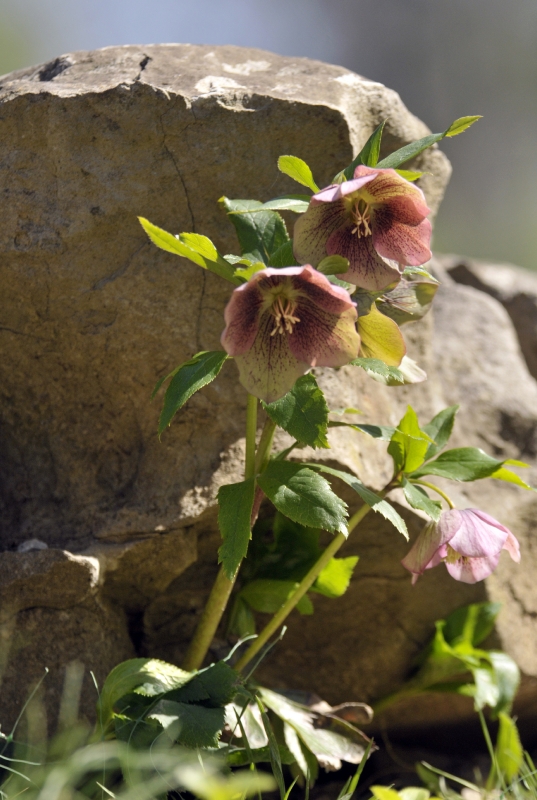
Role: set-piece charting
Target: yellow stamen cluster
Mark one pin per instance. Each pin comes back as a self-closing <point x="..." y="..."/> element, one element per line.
<point x="361" y="217"/>
<point x="283" y="311"/>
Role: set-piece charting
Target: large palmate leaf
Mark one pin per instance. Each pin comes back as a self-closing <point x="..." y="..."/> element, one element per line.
<point x="303" y="496"/>
<point x="260" y="233"/>
<point x="193" y="246"/>
<point x="187" y="379"/>
<point x="302" y="412"/>
<point x="461" y="464"/>
<point x="235" y="502"/>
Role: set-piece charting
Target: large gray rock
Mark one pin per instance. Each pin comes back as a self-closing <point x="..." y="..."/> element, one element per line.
<point x="93" y="315"/>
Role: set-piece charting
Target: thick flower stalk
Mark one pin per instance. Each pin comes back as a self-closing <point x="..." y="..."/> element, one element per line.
<point x="283" y="322"/>
<point x="469" y="542"/>
<point x="377" y="221"/>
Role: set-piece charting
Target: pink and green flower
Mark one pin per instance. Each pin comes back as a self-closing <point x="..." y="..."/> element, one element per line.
<point x="377" y="221"/>
<point x="469" y="542"/>
<point x="283" y="322"/>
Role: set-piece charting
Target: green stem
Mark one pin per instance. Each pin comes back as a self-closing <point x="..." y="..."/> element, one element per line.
<point x="265" y="445"/>
<point x="305" y="584"/>
<point x="437" y="490"/>
<point x="223" y="586"/>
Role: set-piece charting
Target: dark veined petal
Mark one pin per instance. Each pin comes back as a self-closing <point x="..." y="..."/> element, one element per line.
<point x="242" y="318"/>
<point x="388" y="185"/>
<point x="313" y="229"/>
<point x="269" y="369"/>
<point x="322" y="339"/>
<point x="367" y="269"/>
<point x="320" y="291"/>
<point x="406" y="244"/>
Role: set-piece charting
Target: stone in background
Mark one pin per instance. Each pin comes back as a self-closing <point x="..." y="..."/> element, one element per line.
<point x="93" y="315"/>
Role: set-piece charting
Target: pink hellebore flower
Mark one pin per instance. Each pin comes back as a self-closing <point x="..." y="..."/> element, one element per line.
<point x="377" y="221"/>
<point x="469" y="542"/>
<point x="282" y="322"/>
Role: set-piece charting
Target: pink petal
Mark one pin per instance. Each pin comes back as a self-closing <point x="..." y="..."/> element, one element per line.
<point x="472" y="570"/>
<point x="319" y="290"/>
<point x="338" y="190"/>
<point x="424" y="549"/>
<point x="313" y="228"/>
<point x="407" y="244"/>
<point x="387" y="185"/>
<point x="512" y="546"/>
<point x="269" y="369"/>
<point x="366" y="268"/>
<point x="479" y="535"/>
<point x="242" y="318"/>
<point x="322" y="339"/>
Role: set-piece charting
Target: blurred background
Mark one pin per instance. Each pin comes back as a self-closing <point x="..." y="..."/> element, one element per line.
<point x="446" y="58"/>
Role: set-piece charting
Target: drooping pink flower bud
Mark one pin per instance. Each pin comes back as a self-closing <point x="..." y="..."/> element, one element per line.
<point x="283" y="322"/>
<point x="469" y="542"/>
<point x="377" y="221"/>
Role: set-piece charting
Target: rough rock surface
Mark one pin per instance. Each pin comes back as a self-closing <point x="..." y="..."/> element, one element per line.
<point x="93" y="316"/>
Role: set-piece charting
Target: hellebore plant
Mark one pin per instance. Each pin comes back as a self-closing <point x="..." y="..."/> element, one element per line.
<point x="468" y="541"/>
<point x="377" y="221"/>
<point x="334" y="296"/>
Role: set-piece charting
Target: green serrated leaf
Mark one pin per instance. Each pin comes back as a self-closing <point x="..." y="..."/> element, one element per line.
<point x="303" y="496"/>
<point x="188" y="724"/>
<point x="283" y="256"/>
<point x="461" y="464"/>
<point x="235" y="502"/>
<point x="268" y="595"/>
<point x="418" y="498"/>
<point x="378" y="369"/>
<point x="368" y="155"/>
<point x="383" y="432"/>
<point x="369" y="497"/>
<point x="415" y="148"/>
<point x="334" y="579"/>
<point x="148" y="675"/>
<point x="215" y="686"/>
<point x="298" y="170"/>
<point x="439" y="429"/>
<point x="408" y="272"/>
<point x="187" y="379"/>
<point x="409" y="444"/>
<point x="204" y="253"/>
<point x="261" y="233"/>
<point x="509" y="476"/>
<point x="302" y="412"/>
<point x="409" y="174"/>
<point x="298" y="203"/>
<point x="460" y="125"/>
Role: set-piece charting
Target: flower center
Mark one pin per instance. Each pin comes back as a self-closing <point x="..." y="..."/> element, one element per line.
<point x="361" y="216"/>
<point x="283" y="310"/>
<point x="452" y="556"/>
